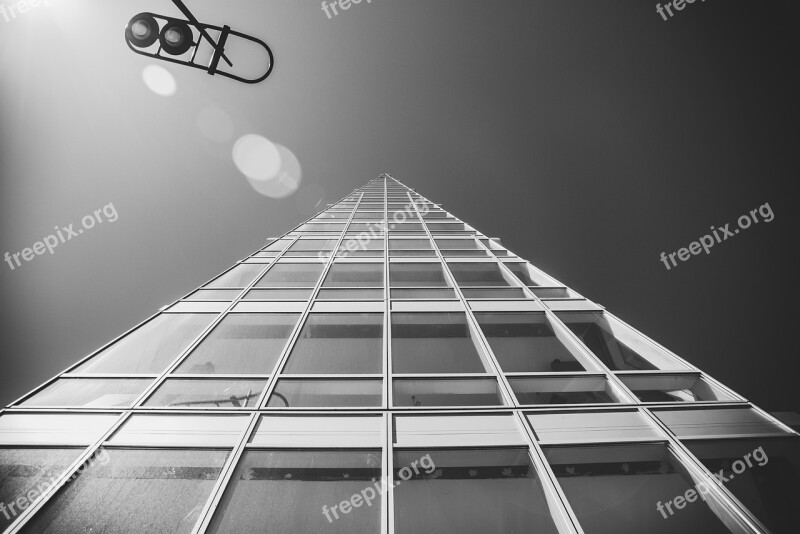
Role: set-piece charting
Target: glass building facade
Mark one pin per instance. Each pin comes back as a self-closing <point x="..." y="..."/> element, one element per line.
<point x="387" y="368"/>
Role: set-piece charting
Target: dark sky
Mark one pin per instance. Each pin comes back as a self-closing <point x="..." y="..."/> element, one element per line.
<point x="589" y="135"/>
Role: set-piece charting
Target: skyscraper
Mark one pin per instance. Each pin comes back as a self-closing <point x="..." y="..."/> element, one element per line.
<point x="387" y="368"/>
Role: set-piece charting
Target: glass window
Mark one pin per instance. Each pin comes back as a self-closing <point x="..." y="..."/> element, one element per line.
<point x="339" y="343"/>
<point x="526" y="342"/>
<point x="292" y="275"/>
<point x="619" y="348"/>
<point x="622" y="488"/>
<point x="459" y="491"/>
<point x="433" y="343"/>
<point x="278" y="245"/>
<point x="59" y="429"/>
<point x="423" y="293"/>
<point x="316" y="393"/>
<point x="90" y="392"/>
<point x="457" y="244"/>
<point x="278" y="294"/>
<point x="25" y="474"/>
<point x="523" y="272"/>
<point x="297" y="492"/>
<point x="150" y="348"/>
<point x="240" y="276"/>
<point x="134" y="491"/>
<point x="410" y="244"/>
<point x="214" y="294"/>
<point x="350" y="294"/>
<point x="242" y="344"/>
<point x="355" y="275"/>
<point x="674" y="388"/>
<point x="313" y="245"/>
<point x="566" y="390"/>
<point x="495" y="293"/>
<point x="449" y="392"/>
<point x="413" y="253"/>
<point x="205" y="393"/>
<point x="321" y="227"/>
<point x="761" y="473"/>
<point x="551" y="292"/>
<point x="417" y="275"/>
<point x="479" y="274"/>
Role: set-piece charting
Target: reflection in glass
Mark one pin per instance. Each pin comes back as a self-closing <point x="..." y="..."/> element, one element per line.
<point x="417" y="275"/>
<point x="567" y="390"/>
<point x="241" y="344"/>
<point x="150" y="348"/>
<point x="292" y="275"/>
<point x="451" y="392"/>
<point x="469" y="491"/>
<point x="90" y="392"/>
<point x="28" y="469"/>
<point x="355" y="275"/>
<point x="299" y="492"/>
<point x="133" y="491"/>
<point x="761" y="473"/>
<point x="205" y="393"/>
<point x="339" y="343"/>
<point x="674" y="388"/>
<point x="240" y="276"/>
<point x="526" y="342"/>
<point x="617" y="488"/>
<point x="322" y="393"/>
<point x="479" y="274"/>
<point x="433" y="343"/>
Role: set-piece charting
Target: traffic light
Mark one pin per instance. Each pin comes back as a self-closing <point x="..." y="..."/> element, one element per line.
<point x="171" y="39"/>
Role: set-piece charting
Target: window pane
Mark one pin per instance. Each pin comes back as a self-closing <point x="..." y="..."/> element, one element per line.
<point x="241" y="344"/>
<point x="355" y="275"/>
<point x="240" y="276"/>
<point x="350" y="294"/>
<point x="457" y="244"/>
<point x="674" y="388"/>
<point x="617" y="488"/>
<point x="478" y="274"/>
<point x="592" y="426"/>
<point x="571" y="390"/>
<point x="134" y="491"/>
<point x="278" y="294"/>
<point x="469" y="491"/>
<point x="433" y="343"/>
<point x="278" y="245"/>
<point x="410" y="244"/>
<point x="495" y="293"/>
<point x="90" y="392"/>
<point x="150" y="348"/>
<point x="717" y="422"/>
<point x="600" y="336"/>
<point x="214" y="294"/>
<point x="313" y="245"/>
<point x="417" y="275"/>
<point x="340" y="343"/>
<point x="412" y="253"/>
<point x="292" y="275"/>
<point x="204" y="393"/>
<point x="298" y="492"/>
<point x="294" y="393"/>
<point x="25" y="473"/>
<point x="551" y="293"/>
<point x="423" y="293"/>
<point x="522" y="272"/>
<point x="762" y="474"/>
<point x="459" y="392"/>
<point x="526" y="342"/>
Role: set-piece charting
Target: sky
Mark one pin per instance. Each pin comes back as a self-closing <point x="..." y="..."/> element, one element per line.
<point x="590" y="136"/>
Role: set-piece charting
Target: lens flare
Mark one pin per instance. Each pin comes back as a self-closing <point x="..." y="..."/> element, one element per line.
<point x="159" y="80"/>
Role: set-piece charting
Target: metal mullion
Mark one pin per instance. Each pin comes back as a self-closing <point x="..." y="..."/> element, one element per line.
<point x="388" y="369"/>
<point x="693" y="465"/>
<point x="222" y="315"/>
<point x="505" y="388"/>
<point x="54" y="488"/>
<point x="547" y="476"/>
<point x="281" y="363"/>
<point x="207" y="513"/>
<point x="387" y="502"/>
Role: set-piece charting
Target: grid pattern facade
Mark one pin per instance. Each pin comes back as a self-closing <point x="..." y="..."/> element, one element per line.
<point x="387" y="344"/>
